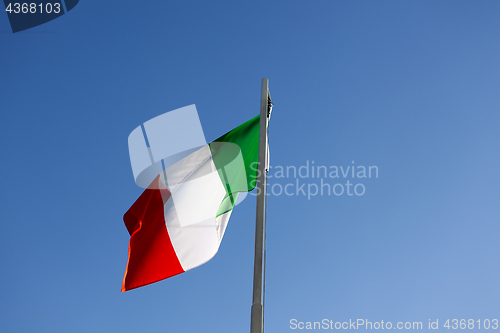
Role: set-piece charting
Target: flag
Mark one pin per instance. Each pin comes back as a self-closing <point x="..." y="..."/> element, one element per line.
<point x="178" y="222"/>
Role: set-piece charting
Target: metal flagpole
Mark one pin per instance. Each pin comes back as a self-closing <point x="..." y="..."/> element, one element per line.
<point x="257" y="315"/>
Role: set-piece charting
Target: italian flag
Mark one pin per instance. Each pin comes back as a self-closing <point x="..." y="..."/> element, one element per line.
<point x="179" y="220"/>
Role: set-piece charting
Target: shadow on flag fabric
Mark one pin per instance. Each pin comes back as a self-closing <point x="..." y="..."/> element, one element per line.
<point x="178" y="222"/>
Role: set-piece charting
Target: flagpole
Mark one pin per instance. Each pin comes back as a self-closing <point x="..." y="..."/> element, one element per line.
<point x="257" y="312"/>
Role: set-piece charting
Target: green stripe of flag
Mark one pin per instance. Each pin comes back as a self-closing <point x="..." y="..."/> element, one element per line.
<point x="237" y="176"/>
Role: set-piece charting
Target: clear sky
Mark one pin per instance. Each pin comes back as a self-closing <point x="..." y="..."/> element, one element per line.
<point x="411" y="87"/>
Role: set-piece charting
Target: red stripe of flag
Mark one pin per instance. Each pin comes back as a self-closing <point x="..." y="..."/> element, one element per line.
<point x="151" y="256"/>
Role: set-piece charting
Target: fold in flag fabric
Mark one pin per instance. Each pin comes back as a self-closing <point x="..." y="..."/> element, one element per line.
<point x="179" y="220"/>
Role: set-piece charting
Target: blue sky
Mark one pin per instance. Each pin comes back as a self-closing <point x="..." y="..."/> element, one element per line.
<point x="410" y="87"/>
